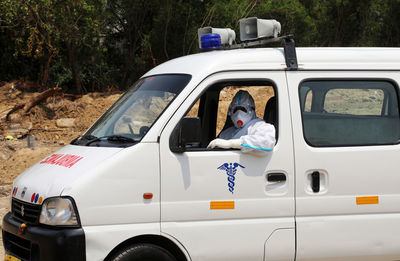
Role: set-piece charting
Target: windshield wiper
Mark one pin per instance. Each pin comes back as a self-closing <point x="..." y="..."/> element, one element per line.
<point x="83" y="137"/>
<point x="117" y="138"/>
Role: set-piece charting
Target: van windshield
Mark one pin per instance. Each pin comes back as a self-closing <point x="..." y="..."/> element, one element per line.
<point x="129" y="119"/>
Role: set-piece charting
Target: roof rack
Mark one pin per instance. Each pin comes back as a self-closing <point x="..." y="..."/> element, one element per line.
<point x="289" y="48"/>
<point x="253" y="32"/>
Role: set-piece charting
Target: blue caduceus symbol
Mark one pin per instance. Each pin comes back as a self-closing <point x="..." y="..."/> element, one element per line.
<point x="230" y="169"/>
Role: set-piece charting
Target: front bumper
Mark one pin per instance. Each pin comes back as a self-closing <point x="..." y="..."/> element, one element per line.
<point x="43" y="243"/>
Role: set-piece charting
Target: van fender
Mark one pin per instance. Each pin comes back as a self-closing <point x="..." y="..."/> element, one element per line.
<point x="164" y="241"/>
<point x="178" y="244"/>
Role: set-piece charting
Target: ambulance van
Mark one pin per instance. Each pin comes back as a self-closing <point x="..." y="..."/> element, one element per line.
<point x="141" y="183"/>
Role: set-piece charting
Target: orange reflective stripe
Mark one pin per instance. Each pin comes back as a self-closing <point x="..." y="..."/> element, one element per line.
<point x="222" y="205"/>
<point x="367" y="200"/>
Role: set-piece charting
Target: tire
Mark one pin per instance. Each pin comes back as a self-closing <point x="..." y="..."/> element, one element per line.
<point x="143" y="252"/>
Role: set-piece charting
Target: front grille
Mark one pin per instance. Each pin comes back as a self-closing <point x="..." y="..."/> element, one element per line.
<point x="25" y="212"/>
<point x="17" y="246"/>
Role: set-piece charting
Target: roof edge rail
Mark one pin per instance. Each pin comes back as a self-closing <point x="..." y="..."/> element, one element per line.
<point x="289" y="48"/>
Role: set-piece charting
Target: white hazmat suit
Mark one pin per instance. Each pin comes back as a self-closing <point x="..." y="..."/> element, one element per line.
<point x="248" y="133"/>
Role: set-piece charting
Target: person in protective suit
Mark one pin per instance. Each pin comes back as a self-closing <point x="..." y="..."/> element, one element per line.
<point x="248" y="133"/>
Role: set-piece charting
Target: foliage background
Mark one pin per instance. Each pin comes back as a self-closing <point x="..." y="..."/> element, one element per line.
<point x="95" y="45"/>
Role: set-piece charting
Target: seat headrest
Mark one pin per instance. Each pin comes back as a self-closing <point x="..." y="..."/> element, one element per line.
<point x="270" y="111"/>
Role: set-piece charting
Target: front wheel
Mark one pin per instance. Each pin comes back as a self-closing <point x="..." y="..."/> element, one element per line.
<point x="143" y="252"/>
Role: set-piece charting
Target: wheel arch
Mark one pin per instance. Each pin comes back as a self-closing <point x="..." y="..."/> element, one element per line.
<point x="157" y="240"/>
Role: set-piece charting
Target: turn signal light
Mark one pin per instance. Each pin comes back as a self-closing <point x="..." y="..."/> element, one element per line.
<point x="148" y="195"/>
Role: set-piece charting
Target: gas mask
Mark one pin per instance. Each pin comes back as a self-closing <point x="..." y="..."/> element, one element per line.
<point x="241" y="109"/>
<point x="241" y="118"/>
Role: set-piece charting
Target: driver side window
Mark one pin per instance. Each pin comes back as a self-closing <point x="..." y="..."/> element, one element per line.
<point x="212" y="107"/>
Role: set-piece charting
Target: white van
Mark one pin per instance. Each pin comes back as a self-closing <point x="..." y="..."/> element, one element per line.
<point x="141" y="184"/>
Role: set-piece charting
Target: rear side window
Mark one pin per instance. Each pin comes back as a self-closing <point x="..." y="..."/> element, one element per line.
<point x="354" y="101"/>
<point x="349" y="113"/>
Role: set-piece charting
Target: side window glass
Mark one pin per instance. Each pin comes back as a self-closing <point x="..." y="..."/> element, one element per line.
<point x="194" y="111"/>
<point x="308" y="101"/>
<point x="354" y="101"/>
<point x="306" y="96"/>
<point x="350" y="113"/>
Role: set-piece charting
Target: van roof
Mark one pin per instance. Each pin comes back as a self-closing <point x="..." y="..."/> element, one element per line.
<point x="273" y="59"/>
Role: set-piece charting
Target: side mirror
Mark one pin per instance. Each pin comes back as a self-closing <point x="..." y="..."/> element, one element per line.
<point x="186" y="133"/>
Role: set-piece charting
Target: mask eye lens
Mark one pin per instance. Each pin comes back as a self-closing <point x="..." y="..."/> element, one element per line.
<point x="241" y="108"/>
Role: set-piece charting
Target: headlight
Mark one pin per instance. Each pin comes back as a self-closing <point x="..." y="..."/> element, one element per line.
<point x="58" y="212"/>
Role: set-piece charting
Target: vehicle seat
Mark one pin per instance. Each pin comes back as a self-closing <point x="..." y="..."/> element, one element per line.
<point x="270" y="114"/>
<point x="270" y="111"/>
<point x="228" y="124"/>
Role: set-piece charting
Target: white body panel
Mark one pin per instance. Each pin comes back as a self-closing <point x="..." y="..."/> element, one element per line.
<point x="49" y="180"/>
<point x="330" y="224"/>
<point x="113" y="194"/>
<point x="100" y="240"/>
<point x="110" y="200"/>
<point x="108" y="192"/>
<point x="191" y="180"/>
<point x="279" y="244"/>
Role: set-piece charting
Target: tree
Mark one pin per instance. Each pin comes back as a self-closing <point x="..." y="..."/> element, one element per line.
<point x="49" y="27"/>
<point x="12" y="64"/>
<point x="87" y="45"/>
<point x="80" y="26"/>
<point x="128" y="21"/>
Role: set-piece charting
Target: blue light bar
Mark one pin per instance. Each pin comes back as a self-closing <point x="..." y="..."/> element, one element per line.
<point x="210" y="42"/>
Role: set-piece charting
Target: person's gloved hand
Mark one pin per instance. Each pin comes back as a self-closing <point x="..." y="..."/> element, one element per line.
<point x="225" y="144"/>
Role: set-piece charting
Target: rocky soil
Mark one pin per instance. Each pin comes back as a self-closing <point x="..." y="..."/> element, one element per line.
<point x="53" y="123"/>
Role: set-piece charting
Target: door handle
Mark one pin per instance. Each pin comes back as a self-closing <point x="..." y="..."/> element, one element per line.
<point x="276" y="177"/>
<point x="315" y="181"/>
